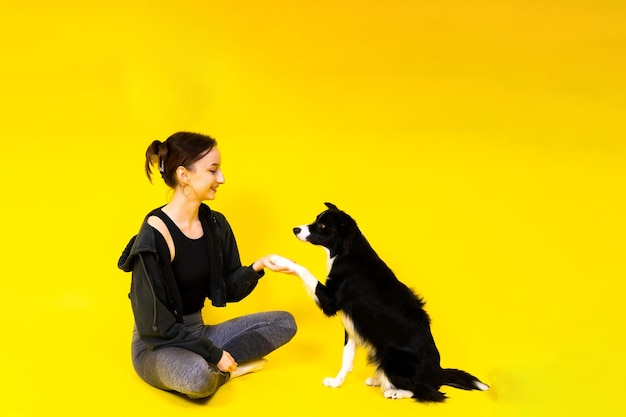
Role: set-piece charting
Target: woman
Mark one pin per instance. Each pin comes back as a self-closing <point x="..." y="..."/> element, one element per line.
<point x="183" y="253"/>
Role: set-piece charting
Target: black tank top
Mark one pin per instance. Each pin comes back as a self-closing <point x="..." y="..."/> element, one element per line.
<point x="190" y="265"/>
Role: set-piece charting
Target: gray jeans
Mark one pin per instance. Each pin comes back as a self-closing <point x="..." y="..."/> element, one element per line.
<point x="246" y="338"/>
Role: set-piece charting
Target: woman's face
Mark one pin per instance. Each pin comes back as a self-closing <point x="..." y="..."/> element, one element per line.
<point x="206" y="175"/>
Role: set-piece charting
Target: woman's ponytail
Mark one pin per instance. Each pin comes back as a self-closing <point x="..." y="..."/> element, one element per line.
<point x="156" y="154"/>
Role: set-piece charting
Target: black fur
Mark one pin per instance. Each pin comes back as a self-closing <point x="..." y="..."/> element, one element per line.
<point x="386" y="314"/>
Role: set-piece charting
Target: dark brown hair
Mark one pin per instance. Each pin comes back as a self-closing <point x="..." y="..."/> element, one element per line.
<point x="180" y="149"/>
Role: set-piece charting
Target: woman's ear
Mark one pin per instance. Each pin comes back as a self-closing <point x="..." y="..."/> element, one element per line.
<point x="182" y="174"/>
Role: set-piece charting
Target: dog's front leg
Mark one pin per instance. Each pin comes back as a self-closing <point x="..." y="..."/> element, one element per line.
<point x="347" y="360"/>
<point x="308" y="279"/>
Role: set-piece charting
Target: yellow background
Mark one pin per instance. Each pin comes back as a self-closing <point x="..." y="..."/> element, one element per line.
<point x="479" y="145"/>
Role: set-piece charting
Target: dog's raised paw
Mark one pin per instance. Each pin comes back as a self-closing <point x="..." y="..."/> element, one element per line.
<point x="332" y="382"/>
<point x="284" y="262"/>
<point x="397" y="394"/>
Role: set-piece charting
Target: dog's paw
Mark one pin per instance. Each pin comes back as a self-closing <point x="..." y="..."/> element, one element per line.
<point x="397" y="394"/>
<point x="373" y="381"/>
<point x="283" y="262"/>
<point x="333" y="382"/>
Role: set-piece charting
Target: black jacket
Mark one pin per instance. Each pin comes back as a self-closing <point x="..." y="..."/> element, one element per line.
<point x="156" y="302"/>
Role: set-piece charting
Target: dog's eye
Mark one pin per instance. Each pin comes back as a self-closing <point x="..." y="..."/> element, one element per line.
<point x="322" y="226"/>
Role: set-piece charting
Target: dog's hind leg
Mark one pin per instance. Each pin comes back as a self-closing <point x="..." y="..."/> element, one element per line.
<point x="373" y="381"/>
<point x="347" y="360"/>
<point x="388" y="389"/>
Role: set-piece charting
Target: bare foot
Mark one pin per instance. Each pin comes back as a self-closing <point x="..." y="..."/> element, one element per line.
<point x="247" y="367"/>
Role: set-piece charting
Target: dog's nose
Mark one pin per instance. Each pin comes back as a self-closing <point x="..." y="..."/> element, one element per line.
<point x="296" y="230"/>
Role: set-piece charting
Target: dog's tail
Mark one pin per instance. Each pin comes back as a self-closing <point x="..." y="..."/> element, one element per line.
<point x="461" y="379"/>
<point x="426" y="393"/>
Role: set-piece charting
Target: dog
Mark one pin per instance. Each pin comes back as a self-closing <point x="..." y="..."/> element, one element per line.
<point x="378" y="312"/>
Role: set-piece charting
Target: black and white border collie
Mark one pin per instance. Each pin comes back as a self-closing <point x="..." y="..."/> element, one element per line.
<point x="378" y="313"/>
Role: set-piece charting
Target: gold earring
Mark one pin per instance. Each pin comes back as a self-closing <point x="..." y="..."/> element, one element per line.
<point x="183" y="190"/>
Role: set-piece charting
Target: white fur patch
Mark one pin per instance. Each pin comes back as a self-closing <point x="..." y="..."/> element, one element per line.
<point x="481" y="386"/>
<point x="397" y="394"/>
<point x="329" y="260"/>
<point x="281" y="261"/>
<point x="372" y="382"/>
<point x="304" y="233"/>
<point x="309" y="281"/>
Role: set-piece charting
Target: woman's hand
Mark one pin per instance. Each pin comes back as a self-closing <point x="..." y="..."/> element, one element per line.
<point x="272" y="262"/>
<point x="227" y="363"/>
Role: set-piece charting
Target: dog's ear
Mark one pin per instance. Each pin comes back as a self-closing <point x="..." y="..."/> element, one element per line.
<point x="331" y="206"/>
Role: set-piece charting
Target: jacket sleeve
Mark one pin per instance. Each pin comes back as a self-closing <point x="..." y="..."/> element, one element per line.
<point x="240" y="280"/>
<point x="156" y="324"/>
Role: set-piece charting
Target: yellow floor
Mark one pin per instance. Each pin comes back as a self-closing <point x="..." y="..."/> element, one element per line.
<point x="73" y="371"/>
<point x="73" y="358"/>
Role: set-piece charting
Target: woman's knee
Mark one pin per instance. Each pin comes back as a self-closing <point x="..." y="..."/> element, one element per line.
<point x="202" y="380"/>
<point x="282" y="329"/>
<point x="180" y="370"/>
<point x="288" y="322"/>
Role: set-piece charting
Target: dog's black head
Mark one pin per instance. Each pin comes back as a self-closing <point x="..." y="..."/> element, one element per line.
<point x="332" y="229"/>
